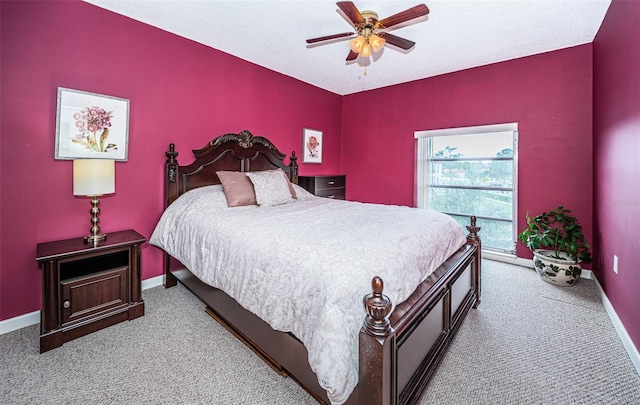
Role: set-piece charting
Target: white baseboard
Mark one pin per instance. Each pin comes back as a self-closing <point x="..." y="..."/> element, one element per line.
<point x="152" y="282"/>
<point x="631" y="349"/>
<point x="507" y="258"/>
<point x="19" y="322"/>
<point x="32" y="318"/>
<point x="511" y="259"/>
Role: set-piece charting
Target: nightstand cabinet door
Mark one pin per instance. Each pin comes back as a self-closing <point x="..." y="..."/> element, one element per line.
<point x="333" y="186"/>
<point x="85" y="296"/>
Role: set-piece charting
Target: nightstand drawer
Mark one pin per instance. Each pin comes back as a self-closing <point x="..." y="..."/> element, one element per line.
<point x="323" y="182"/>
<point x="335" y="193"/>
<point x="332" y="186"/>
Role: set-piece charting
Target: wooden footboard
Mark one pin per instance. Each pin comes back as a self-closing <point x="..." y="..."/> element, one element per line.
<point x="400" y="353"/>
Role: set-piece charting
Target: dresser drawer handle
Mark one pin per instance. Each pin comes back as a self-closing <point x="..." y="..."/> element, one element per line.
<point x="66" y="304"/>
<point x="331" y="183"/>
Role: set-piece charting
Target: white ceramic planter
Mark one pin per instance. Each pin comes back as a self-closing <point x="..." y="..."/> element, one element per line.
<point x="562" y="272"/>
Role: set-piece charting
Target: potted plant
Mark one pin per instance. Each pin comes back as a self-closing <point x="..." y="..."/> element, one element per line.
<point x="558" y="246"/>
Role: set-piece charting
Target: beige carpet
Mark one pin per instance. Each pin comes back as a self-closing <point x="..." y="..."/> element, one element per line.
<point x="529" y="342"/>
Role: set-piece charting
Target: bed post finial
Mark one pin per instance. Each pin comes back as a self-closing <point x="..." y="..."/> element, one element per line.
<point x="378" y="358"/>
<point x="293" y="167"/>
<point x="473" y="230"/>
<point x="171" y="154"/>
<point x="378" y="307"/>
<point x="172" y="163"/>
<point x="474" y="239"/>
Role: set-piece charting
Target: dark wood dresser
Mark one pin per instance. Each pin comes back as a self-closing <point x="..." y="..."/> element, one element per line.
<point x="86" y="288"/>
<point x="331" y="186"/>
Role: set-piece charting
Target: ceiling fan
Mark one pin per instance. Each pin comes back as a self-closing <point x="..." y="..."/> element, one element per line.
<point x="370" y="31"/>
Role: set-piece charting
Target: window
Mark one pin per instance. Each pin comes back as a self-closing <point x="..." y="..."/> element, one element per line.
<point x="472" y="171"/>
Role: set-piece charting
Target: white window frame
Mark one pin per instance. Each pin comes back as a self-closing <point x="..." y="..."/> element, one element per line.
<point x="422" y="169"/>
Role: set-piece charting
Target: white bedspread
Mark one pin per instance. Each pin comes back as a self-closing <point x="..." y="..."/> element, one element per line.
<point x="305" y="266"/>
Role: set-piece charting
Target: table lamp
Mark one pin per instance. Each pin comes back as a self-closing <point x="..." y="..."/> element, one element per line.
<point x="94" y="178"/>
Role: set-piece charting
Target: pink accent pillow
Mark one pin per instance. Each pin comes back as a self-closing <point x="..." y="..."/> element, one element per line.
<point x="237" y="188"/>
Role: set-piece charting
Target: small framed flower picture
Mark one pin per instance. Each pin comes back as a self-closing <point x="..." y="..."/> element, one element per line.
<point x="311" y="146"/>
<point x="91" y="126"/>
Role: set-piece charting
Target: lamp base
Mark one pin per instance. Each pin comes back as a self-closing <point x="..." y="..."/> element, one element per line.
<point x="95" y="236"/>
<point x="93" y="239"/>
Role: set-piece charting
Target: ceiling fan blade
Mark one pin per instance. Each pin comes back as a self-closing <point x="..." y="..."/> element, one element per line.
<point x="352" y="56"/>
<point x="328" y="37"/>
<point x="397" y="41"/>
<point x="406" y="15"/>
<point x="351" y="11"/>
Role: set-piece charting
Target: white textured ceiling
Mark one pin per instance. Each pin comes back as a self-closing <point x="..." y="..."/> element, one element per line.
<point x="456" y="35"/>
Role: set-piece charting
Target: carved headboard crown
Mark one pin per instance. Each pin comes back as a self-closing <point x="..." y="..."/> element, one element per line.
<point x="245" y="139"/>
<point x="229" y="152"/>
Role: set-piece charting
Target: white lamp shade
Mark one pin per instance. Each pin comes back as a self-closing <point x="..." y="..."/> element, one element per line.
<point x="94" y="177"/>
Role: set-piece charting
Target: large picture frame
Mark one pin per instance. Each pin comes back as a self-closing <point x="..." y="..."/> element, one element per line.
<point x="311" y="146"/>
<point x="91" y="126"/>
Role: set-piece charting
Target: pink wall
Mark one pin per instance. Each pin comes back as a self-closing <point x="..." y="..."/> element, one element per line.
<point x="548" y="95"/>
<point x="186" y="93"/>
<point x="616" y="54"/>
<point x="180" y="92"/>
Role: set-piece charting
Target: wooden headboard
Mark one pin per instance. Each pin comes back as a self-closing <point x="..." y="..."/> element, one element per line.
<point x="241" y="152"/>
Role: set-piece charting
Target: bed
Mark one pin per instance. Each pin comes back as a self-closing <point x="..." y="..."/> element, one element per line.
<point x="394" y="348"/>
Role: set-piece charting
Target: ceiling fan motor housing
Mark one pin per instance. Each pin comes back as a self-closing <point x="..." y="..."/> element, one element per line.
<point x="370" y="19"/>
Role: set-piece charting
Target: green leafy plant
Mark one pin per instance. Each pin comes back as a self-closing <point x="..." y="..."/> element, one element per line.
<point x="558" y="231"/>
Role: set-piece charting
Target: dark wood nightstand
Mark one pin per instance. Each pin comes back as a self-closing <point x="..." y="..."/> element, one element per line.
<point x="86" y="288"/>
<point x="333" y="186"/>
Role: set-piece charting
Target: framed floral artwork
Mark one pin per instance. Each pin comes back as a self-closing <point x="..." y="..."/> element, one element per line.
<point x="311" y="146"/>
<point x="91" y="126"/>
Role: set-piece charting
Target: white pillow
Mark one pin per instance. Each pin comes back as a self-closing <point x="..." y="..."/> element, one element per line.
<point x="212" y="196"/>
<point x="271" y="188"/>
<point x="302" y="193"/>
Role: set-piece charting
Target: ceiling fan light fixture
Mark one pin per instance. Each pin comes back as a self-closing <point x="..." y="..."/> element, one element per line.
<point x="366" y="50"/>
<point x="357" y="44"/>
<point x="376" y="42"/>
